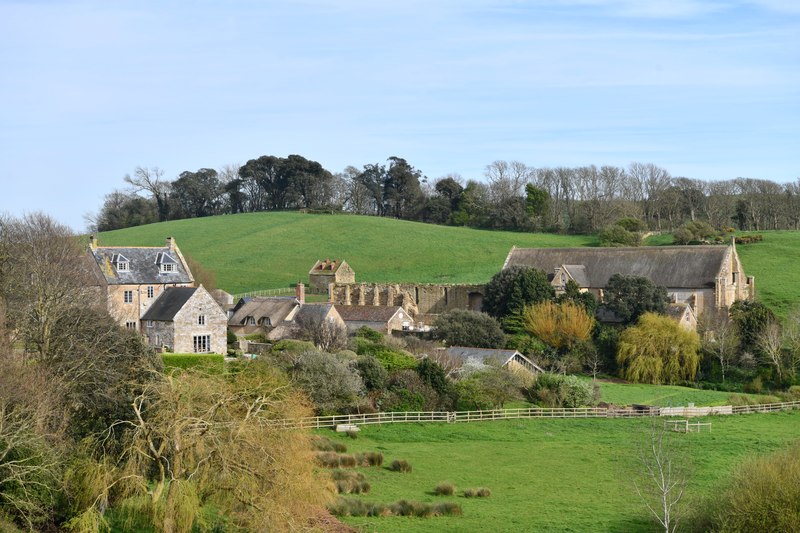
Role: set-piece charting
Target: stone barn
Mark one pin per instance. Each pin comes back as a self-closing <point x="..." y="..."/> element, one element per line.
<point x="330" y="271"/>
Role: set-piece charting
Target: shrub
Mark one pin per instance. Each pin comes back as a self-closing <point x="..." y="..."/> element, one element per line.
<point x="562" y="326"/>
<point x="354" y="507"/>
<point x="557" y="390"/>
<point x="618" y="236"/>
<point x="232" y="338"/>
<point x="631" y="224"/>
<point x="330" y="383"/>
<point x="210" y="362"/>
<point x="513" y="288"/>
<point x="446" y="509"/>
<point x="400" y="465"/>
<point x="372" y="372"/>
<point x="256" y="337"/>
<point x="762" y="496"/>
<point x="444" y="489"/>
<point x="365" y="332"/>
<point x="293" y="346"/>
<point x="460" y="327"/>
<point x="390" y="358"/>
<point x="481" y="492"/>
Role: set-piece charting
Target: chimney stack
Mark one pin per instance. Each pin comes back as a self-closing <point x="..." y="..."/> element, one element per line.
<point x="171" y="244"/>
<point x="300" y="293"/>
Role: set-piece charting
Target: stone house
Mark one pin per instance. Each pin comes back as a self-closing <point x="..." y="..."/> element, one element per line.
<point x="326" y="272"/>
<point x="132" y="278"/>
<point x="186" y="320"/>
<point x="703" y="277"/>
<point x="475" y="359"/>
<point x="382" y="318"/>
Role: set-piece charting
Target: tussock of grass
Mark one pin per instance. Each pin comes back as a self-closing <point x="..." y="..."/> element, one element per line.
<point x="480" y="492"/>
<point x="335" y="460"/>
<point x="400" y="465"/>
<point x="369" y="459"/>
<point x="350" y="482"/>
<point x="444" y="489"/>
<point x="351" y="507"/>
<point x="324" y="444"/>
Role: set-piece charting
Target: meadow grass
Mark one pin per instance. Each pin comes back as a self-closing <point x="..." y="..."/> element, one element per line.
<point x="549" y="475"/>
<point x="254" y="251"/>
<point x="659" y="395"/>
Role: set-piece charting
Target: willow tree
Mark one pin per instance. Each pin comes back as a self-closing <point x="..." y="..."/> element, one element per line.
<point x="562" y="326"/>
<point x="658" y="350"/>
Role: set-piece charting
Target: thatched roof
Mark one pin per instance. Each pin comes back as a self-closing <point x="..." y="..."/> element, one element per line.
<point x="668" y="266"/>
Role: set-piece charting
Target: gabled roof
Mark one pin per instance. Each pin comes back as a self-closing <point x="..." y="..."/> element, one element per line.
<point x="277" y="309"/>
<point x="368" y="313"/>
<point x="169" y="303"/>
<point x="578" y="274"/>
<point x="142" y="265"/>
<point x="482" y="357"/>
<point x="314" y="312"/>
<point x="327" y="267"/>
<point x="667" y="266"/>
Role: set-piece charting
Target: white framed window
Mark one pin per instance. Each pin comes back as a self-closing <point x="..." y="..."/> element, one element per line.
<point x="122" y="266"/>
<point x="167" y="267"/>
<point x="150" y="291"/>
<point x="149" y="323"/>
<point x="127" y="297"/>
<point x="251" y="321"/>
<point x="201" y="343"/>
<point x="201" y="320"/>
<point x="131" y="325"/>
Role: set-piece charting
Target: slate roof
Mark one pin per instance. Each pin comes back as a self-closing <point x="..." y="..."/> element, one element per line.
<point x="578" y="273"/>
<point x="142" y="266"/>
<point x="668" y="266"/>
<point x="169" y="303"/>
<point x="482" y="357"/>
<point x="367" y="313"/>
<point x="276" y="308"/>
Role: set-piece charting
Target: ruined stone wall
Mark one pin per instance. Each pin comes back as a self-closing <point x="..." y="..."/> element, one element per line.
<point x="421" y="301"/>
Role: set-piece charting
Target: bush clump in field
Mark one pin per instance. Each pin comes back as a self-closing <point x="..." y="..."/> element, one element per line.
<point x="400" y="465"/>
<point x="480" y="492"/>
<point x="763" y="495"/>
<point x="369" y="459"/>
<point x="352" y="507"/>
<point x="446" y="509"/>
<point x="444" y="489"/>
<point x="324" y="444"/>
<point x="558" y="390"/>
<point x="350" y="482"/>
<point x="335" y="460"/>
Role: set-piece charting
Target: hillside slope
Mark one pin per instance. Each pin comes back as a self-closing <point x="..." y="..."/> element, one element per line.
<point x="254" y="251"/>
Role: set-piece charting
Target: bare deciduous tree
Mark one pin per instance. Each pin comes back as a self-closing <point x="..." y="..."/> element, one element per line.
<point x="149" y="179"/>
<point x="662" y="474"/>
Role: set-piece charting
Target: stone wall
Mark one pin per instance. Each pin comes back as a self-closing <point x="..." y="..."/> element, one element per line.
<point x="131" y="312"/>
<point x="158" y="333"/>
<point x="422" y="302"/>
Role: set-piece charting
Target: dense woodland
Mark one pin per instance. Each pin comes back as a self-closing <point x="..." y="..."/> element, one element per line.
<point x="509" y="196"/>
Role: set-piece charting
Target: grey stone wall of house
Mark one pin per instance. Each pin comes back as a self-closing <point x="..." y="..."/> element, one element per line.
<point x="422" y="301"/>
<point x="158" y="333"/>
<point x="187" y="327"/>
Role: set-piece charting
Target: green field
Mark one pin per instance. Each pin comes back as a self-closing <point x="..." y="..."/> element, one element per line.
<point x="269" y="250"/>
<point x="660" y="395"/>
<point x="546" y="475"/>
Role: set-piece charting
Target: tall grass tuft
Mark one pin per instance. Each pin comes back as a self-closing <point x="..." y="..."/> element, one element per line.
<point x="352" y="507"/>
<point x="369" y="458"/>
<point x="335" y="460"/>
<point x="480" y="492"/>
<point x="444" y="489"/>
<point x="324" y="444"/>
<point x="350" y="482"/>
<point x="400" y="465"/>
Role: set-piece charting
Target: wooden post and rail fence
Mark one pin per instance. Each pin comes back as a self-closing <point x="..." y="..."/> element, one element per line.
<point x="451" y="417"/>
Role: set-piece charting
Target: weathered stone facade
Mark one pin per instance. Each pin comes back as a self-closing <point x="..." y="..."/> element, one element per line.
<point x="199" y="316"/>
<point x="422" y="301"/>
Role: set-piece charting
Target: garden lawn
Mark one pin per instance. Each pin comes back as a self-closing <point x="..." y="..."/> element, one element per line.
<point x="255" y="251"/>
<point x="546" y="475"/>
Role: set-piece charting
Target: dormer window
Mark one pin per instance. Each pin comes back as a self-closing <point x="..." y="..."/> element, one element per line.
<point x="166" y="263"/>
<point x="120" y="262"/>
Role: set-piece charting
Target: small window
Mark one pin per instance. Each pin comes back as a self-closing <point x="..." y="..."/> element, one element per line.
<point x="167" y="267"/>
<point x="149" y="323"/>
<point x="201" y="320"/>
<point x="201" y="343"/>
<point x="150" y="291"/>
<point x="122" y="266"/>
<point x="251" y="321"/>
<point x="131" y="325"/>
<point x="127" y="297"/>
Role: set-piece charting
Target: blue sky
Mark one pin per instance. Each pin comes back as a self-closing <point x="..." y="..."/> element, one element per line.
<point x="90" y="90"/>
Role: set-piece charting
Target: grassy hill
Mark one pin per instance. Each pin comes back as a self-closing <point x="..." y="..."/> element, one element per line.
<point x="270" y="250"/>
